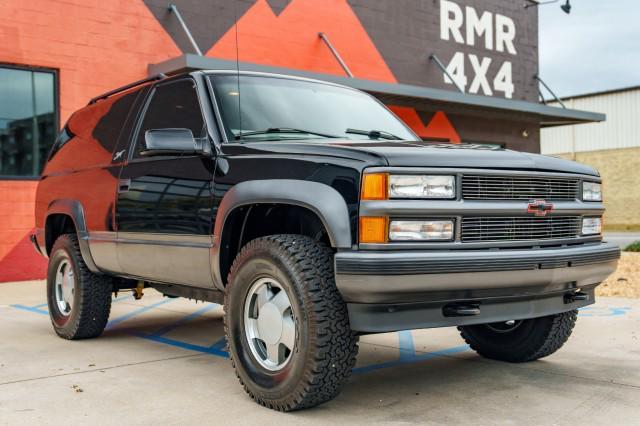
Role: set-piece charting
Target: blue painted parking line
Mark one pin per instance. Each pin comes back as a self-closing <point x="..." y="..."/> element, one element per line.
<point x="405" y="344"/>
<point x="137" y="312"/>
<point x="182" y="321"/>
<point x="31" y="309"/>
<point x="211" y="350"/>
<point x="597" y="311"/>
<point x="216" y="348"/>
<point x="38" y="309"/>
<point x="219" y="345"/>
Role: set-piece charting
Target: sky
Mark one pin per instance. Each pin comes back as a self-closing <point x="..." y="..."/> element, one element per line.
<point x="596" y="47"/>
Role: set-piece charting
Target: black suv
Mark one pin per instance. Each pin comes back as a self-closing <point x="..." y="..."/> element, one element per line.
<point x="315" y="215"/>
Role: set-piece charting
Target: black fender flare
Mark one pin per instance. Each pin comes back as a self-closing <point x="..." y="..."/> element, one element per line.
<point x="74" y="209"/>
<point x="327" y="203"/>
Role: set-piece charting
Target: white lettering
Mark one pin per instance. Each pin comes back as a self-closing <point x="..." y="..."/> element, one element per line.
<point x="480" y="80"/>
<point x="502" y="82"/>
<point x="505" y="33"/>
<point x="456" y="70"/>
<point x="451" y="21"/>
<point x="479" y="26"/>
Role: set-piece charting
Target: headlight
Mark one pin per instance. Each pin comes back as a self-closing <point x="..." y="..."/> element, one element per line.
<point x="421" y="230"/>
<point x="591" y="191"/>
<point x="591" y="225"/>
<point x="416" y="186"/>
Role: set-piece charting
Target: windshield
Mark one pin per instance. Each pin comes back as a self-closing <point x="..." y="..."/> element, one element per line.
<point x="281" y="109"/>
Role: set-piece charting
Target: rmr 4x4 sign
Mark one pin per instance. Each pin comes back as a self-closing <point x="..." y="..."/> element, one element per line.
<point x="492" y="31"/>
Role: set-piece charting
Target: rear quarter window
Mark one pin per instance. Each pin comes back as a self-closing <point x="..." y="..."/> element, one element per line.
<point x="92" y="133"/>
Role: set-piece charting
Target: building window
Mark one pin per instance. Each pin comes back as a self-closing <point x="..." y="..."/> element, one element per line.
<point x="28" y="119"/>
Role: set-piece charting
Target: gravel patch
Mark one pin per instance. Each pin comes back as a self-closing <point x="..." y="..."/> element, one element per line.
<point x="625" y="282"/>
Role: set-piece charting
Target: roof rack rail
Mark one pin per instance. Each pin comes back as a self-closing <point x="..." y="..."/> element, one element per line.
<point x="127" y="87"/>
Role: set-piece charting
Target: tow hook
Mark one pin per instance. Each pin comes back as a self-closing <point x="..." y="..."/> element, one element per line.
<point x="461" y="310"/>
<point x="138" y="292"/>
<point x="575" y="297"/>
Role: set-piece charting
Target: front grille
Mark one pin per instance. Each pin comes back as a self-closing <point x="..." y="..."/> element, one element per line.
<point x="490" y="187"/>
<point x="480" y="229"/>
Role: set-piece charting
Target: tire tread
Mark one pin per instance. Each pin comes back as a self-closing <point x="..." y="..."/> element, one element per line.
<point x="95" y="295"/>
<point x="557" y="330"/>
<point x="336" y="345"/>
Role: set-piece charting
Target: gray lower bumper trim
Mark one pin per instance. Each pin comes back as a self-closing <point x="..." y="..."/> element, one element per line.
<point x="370" y="318"/>
<point x="553" y="270"/>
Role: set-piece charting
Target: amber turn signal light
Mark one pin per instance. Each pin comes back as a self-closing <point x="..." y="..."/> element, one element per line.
<point x="374" y="186"/>
<point x="373" y="229"/>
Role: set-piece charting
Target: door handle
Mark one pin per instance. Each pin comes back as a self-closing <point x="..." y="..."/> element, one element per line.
<point x="123" y="185"/>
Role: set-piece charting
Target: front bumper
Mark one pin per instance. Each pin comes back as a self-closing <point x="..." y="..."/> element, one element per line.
<point x="503" y="284"/>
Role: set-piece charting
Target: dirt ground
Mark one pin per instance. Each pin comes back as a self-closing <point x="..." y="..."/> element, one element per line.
<point x="625" y="281"/>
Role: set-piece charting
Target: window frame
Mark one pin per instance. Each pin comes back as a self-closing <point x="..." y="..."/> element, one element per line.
<point x="56" y="106"/>
<point x="142" y="113"/>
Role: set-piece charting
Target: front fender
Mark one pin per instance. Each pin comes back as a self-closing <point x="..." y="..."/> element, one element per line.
<point x="323" y="200"/>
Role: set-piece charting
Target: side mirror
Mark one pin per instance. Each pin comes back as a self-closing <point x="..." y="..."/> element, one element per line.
<point x="173" y="142"/>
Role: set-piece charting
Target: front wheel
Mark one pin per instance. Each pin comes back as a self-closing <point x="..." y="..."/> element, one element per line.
<point x="286" y="325"/>
<point x="522" y="340"/>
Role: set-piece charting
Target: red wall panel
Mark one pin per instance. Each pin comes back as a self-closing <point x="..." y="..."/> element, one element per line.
<point x="95" y="46"/>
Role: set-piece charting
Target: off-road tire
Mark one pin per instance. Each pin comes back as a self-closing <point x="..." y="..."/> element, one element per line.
<point x="532" y="339"/>
<point x="325" y="349"/>
<point x="92" y="294"/>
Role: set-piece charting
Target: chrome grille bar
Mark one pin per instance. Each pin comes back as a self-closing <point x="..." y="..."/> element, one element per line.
<point x="498" y="187"/>
<point x="479" y="229"/>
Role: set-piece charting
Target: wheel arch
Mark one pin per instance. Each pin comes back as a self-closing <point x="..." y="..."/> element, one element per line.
<point x="316" y="200"/>
<point x="64" y="216"/>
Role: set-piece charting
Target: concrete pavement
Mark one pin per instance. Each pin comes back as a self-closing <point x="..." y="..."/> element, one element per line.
<point x="163" y="361"/>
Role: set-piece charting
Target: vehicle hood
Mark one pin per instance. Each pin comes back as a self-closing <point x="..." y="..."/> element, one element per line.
<point x="418" y="154"/>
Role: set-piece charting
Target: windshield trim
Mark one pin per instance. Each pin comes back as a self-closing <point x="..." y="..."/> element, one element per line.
<point x="210" y="77"/>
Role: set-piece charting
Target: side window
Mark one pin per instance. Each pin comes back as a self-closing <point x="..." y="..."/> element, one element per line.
<point x="111" y="119"/>
<point x="173" y="105"/>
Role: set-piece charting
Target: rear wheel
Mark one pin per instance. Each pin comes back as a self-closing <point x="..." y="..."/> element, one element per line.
<point x="286" y="325"/>
<point x="79" y="300"/>
<point x="522" y="340"/>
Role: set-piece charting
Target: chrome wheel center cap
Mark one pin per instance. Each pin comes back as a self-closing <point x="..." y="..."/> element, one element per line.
<point x="270" y="323"/>
<point x="67" y="287"/>
<point x="64" y="287"/>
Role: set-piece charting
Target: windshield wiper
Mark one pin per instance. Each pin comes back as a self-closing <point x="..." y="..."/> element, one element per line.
<point x="374" y="134"/>
<point x="282" y="130"/>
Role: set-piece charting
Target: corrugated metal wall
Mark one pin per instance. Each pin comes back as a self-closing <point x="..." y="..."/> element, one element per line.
<point x="620" y="130"/>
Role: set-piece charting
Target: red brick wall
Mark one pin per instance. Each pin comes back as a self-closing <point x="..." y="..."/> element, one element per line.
<point x="95" y="45"/>
<point x="18" y="259"/>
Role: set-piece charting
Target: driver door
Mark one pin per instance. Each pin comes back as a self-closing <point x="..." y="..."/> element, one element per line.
<point x="163" y="211"/>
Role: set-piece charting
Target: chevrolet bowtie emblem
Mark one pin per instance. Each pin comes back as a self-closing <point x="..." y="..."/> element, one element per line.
<point x="539" y="207"/>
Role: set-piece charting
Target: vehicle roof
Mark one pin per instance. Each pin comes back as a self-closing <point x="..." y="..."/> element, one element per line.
<point x="276" y="75"/>
<point x="161" y="78"/>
